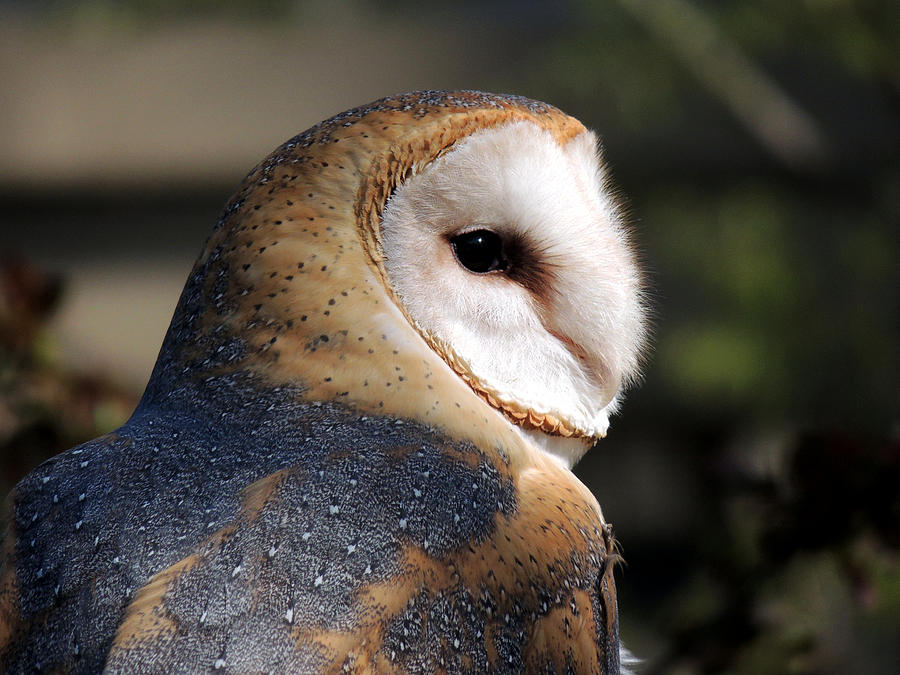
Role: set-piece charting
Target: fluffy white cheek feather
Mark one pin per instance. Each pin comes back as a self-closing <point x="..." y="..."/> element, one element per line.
<point x="563" y="346"/>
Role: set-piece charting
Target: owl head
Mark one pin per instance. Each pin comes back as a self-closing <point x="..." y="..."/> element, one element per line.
<point x="451" y="257"/>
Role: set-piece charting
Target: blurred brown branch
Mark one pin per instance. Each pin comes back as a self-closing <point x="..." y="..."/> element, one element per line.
<point x="766" y="110"/>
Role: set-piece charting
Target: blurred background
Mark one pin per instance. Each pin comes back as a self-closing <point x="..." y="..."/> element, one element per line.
<point x="754" y="476"/>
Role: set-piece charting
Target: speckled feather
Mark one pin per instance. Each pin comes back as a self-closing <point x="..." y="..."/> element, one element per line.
<point x="306" y="485"/>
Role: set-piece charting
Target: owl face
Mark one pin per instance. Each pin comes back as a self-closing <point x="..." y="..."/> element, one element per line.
<point x="509" y="256"/>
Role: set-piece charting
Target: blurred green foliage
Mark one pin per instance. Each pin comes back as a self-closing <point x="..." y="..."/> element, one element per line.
<point x="44" y="409"/>
<point x="143" y="13"/>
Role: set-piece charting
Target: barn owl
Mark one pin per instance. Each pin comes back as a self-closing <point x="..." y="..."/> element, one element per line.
<point x="354" y="451"/>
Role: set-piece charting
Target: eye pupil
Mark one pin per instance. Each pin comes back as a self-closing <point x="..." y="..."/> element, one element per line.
<point x="479" y="251"/>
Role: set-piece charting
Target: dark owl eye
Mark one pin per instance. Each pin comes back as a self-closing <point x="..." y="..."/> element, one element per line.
<point x="479" y="251"/>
